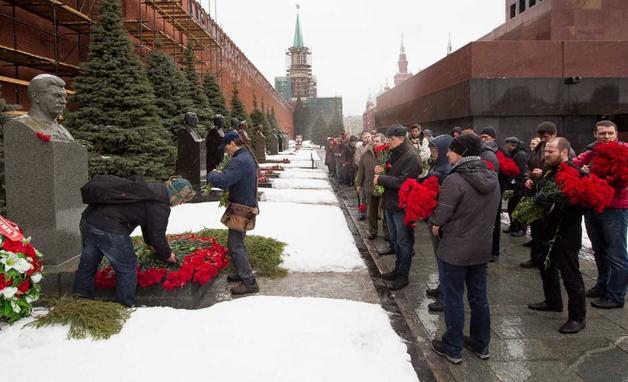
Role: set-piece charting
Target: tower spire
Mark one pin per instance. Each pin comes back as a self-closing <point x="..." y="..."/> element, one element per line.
<point x="403" y="50"/>
<point x="298" y="38"/>
<point x="449" y="48"/>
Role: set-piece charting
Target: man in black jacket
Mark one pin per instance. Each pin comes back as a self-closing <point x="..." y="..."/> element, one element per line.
<point x="560" y="239"/>
<point x="404" y="164"/>
<point x="514" y="149"/>
<point x="106" y="230"/>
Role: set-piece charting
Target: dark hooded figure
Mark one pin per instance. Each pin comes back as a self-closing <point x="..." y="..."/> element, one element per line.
<point x="464" y="220"/>
<point x="441" y="168"/>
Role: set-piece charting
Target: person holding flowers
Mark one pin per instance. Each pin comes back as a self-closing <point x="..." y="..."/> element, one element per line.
<point x="463" y="220"/>
<point x="403" y="164"/>
<point x="366" y="168"/>
<point x="607" y="157"/>
<point x="559" y="239"/>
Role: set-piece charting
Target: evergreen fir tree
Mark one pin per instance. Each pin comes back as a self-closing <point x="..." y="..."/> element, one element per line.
<point x="336" y="126"/>
<point x="300" y="118"/>
<point x="169" y="87"/>
<point x="115" y="105"/>
<point x="320" y="131"/>
<point x="237" y="107"/>
<point x="272" y="118"/>
<point x="196" y="94"/>
<point x="214" y="95"/>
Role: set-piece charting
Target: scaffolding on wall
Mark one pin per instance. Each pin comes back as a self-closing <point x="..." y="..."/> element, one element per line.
<point x="67" y="21"/>
<point x="151" y="33"/>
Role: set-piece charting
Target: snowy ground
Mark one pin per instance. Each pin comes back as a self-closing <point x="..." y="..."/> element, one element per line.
<point x="303" y="174"/>
<point x="300" y="183"/>
<point x="301" y="212"/>
<point x="299" y="196"/>
<point x="249" y="339"/>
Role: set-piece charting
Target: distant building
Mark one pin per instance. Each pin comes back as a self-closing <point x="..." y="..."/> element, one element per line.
<point x="368" y="117"/>
<point x="301" y="82"/>
<point x="299" y="88"/>
<point x="402" y="63"/>
<point x="550" y="61"/>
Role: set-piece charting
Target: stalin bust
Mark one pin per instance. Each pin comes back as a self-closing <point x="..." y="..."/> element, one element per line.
<point x="47" y="95"/>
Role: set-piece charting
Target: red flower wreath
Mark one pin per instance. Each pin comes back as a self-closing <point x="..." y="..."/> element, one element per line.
<point x="418" y="199"/>
<point x="589" y="191"/>
<point x="611" y="163"/>
<point x="507" y="166"/>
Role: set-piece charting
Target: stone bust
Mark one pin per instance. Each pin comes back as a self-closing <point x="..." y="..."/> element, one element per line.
<point x="219" y="121"/>
<point x="47" y="95"/>
<point x="190" y="121"/>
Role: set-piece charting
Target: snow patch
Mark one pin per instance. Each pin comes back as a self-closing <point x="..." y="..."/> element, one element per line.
<point x="277" y="339"/>
<point x="317" y="236"/>
<point x="299" y="196"/>
<point x="300" y="183"/>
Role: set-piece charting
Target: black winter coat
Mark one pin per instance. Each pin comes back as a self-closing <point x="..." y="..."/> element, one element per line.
<point x="404" y="164"/>
<point x="122" y="219"/>
<point x="467" y="206"/>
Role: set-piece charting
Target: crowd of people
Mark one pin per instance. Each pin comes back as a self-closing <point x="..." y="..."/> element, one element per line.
<point x="465" y="227"/>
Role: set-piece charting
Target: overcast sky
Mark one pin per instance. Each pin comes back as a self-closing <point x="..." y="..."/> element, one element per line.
<point x="354" y="43"/>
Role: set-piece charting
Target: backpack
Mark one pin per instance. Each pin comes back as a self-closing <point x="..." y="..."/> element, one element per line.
<point x="110" y="189"/>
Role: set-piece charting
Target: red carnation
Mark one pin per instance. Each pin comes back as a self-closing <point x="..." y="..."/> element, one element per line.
<point x="507" y="166"/>
<point x="43" y="136"/>
<point x="489" y="165"/>
<point x="105" y="278"/>
<point x="362" y="208"/>
<point x="611" y="163"/>
<point x="3" y="282"/>
<point x="418" y="199"/>
<point x="589" y="191"/>
<point x="19" y="247"/>
<point x="24" y="285"/>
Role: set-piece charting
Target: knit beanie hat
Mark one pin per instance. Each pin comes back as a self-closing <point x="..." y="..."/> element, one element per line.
<point x="397" y="130"/>
<point x="489" y="131"/>
<point x="466" y="145"/>
<point x="179" y="190"/>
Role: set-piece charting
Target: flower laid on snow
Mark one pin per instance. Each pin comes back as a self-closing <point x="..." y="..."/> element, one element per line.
<point x="199" y="259"/>
<point x="20" y="272"/>
<point x="507" y="166"/>
<point x="418" y="199"/>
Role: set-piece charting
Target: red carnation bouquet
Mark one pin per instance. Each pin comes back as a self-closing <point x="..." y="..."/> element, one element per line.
<point x="589" y="191"/>
<point x="611" y="163"/>
<point x="418" y="199"/>
<point x="507" y="166"/>
<point x="20" y="272"/>
<point x="382" y="155"/>
<point x="199" y="260"/>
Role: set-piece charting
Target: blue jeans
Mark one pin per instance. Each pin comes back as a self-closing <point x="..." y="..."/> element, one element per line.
<point x="239" y="257"/>
<point x="118" y="249"/>
<point x="401" y="241"/>
<point x="453" y="281"/>
<point x="607" y="232"/>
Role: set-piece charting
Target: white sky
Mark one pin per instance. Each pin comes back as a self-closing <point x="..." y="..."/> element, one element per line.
<point x="354" y="43"/>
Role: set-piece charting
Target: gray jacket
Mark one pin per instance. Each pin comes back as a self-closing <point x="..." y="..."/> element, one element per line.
<point x="467" y="206"/>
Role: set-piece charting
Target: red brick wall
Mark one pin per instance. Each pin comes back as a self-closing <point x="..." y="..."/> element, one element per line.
<point x="33" y="34"/>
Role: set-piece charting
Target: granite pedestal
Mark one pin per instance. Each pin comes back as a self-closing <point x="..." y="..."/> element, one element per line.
<point x="43" y="181"/>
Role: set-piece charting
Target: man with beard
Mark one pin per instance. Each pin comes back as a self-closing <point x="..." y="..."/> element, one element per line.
<point x="560" y="239"/>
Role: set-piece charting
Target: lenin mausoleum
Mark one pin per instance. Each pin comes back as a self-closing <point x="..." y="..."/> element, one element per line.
<point x="565" y="61"/>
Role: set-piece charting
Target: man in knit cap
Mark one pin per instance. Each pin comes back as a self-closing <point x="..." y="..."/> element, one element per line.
<point x="106" y="229"/>
<point x="463" y="220"/>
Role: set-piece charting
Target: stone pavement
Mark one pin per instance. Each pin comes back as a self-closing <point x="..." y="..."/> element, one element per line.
<point x="525" y="345"/>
